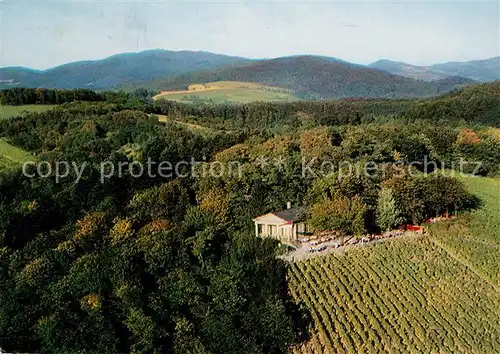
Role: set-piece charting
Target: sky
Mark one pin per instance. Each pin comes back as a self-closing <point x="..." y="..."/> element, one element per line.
<point x="45" y="33"/>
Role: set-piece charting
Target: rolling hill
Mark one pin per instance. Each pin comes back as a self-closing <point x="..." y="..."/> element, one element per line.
<point x="309" y="77"/>
<point x="313" y="77"/>
<point x="117" y="70"/>
<point x="414" y="71"/>
<point x="477" y="70"/>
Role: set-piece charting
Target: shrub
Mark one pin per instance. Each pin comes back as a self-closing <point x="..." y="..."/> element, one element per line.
<point x="425" y="196"/>
<point x="388" y="214"/>
<point x="341" y="213"/>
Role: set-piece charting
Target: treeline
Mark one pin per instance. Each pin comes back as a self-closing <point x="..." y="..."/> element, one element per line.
<point x="473" y="105"/>
<point x="280" y="116"/>
<point x="356" y="204"/>
<point x="477" y="104"/>
<point x="19" y="96"/>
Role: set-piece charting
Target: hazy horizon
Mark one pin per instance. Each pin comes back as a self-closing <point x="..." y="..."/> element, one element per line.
<point x="228" y="54"/>
<point x="44" y="35"/>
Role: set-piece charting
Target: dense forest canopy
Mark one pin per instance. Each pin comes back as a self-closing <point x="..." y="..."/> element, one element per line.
<point x="133" y="262"/>
<point x="143" y="263"/>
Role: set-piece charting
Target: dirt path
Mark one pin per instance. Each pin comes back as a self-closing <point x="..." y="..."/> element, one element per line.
<point x="166" y="93"/>
<point x="164" y="118"/>
<point x="301" y="253"/>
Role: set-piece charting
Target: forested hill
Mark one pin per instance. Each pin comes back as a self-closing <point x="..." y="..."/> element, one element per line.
<point x="315" y="77"/>
<point x="478" y="70"/>
<point x="117" y="70"/>
<point x="309" y="76"/>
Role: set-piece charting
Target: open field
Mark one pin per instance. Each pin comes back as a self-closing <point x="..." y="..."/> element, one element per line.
<point x="12" y="111"/>
<point x="11" y="156"/>
<point x="435" y="293"/>
<point x="229" y="91"/>
<point x="192" y="127"/>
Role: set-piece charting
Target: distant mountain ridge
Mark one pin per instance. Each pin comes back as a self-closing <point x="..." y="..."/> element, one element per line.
<point x="116" y="70"/>
<point x="309" y="76"/>
<point x="315" y="77"/>
<point x="478" y="70"/>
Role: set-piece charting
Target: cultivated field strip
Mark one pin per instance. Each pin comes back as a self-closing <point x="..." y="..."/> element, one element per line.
<point x="474" y="240"/>
<point x="406" y="296"/>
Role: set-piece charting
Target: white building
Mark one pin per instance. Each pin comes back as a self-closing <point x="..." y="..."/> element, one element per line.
<point x="285" y="225"/>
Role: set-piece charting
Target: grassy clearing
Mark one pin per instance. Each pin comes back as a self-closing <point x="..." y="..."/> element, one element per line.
<point x="435" y="293"/>
<point x="192" y="127"/>
<point x="11" y="156"/>
<point x="229" y="92"/>
<point x="12" y="111"/>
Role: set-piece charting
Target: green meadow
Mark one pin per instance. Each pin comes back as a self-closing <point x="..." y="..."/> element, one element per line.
<point x="199" y="129"/>
<point x="11" y="156"/>
<point x="12" y="111"/>
<point x="229" y="92"/>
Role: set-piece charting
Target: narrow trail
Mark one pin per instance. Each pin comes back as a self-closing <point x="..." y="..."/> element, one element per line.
<point x="302" y="254"/>
<point x="163" y="94"/>
<point x="163" y="118"/>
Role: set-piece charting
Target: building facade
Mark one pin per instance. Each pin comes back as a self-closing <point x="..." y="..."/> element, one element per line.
<point x="285" y="225"/>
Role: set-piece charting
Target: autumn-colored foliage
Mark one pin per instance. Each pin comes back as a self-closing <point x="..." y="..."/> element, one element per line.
<point x="121" y="231"/>
<point x="317" y="143"/>
<point x="156" y="226"/>
<point x="91" y="302"/>
<point x="494" y="133"/>
<point x="88" y="226"/>
<point x="238" y="152"/>
<point x="278" y="146"/>
<point x="468" y="136"/>
<point x="216" y="202"/>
